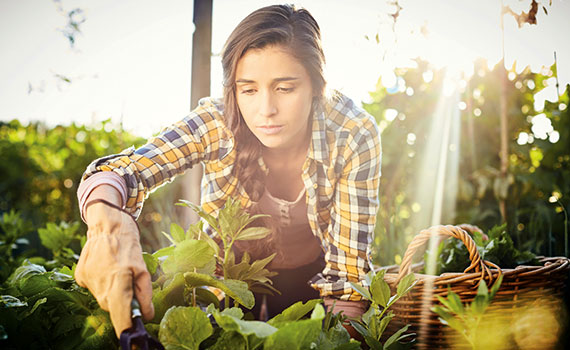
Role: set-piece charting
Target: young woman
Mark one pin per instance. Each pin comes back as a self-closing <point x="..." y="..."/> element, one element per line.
<point x="276" y="143"/>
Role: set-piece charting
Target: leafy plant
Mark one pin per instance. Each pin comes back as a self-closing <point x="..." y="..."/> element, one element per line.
<point x="42" y="309"/>
<point x="497" y="247"/>
<point x="13" y="229"/>
<point x="374" y="322"/>
<point x="466" y="320"/>
<point x="57" y="238"/>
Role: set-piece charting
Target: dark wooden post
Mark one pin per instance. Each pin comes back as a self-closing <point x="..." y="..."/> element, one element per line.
<point x="201" y="51"/>
<point x="200" y="87"/>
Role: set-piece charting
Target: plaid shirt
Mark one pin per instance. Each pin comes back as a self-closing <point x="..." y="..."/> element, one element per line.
<point x="341" y="177"/>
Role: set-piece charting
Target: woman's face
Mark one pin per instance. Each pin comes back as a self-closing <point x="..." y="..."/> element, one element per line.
<point x="274" y="95"/>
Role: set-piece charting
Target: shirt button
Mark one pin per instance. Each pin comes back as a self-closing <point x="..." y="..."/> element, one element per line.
<point x="315" y="186"/>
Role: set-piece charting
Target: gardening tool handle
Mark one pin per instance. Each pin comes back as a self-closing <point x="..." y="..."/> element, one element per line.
<point x="135" y="308"/>
<point x="477" y="264"/>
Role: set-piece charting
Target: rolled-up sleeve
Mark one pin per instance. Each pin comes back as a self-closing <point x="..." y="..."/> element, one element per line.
<point x="198" y="137"/>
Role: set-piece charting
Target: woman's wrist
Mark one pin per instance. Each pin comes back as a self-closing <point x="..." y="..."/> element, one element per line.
<point x="104" y="192"/>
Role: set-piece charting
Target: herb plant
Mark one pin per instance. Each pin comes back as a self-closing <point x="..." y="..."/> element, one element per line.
<point x="467" y="320"/>
<point x="374" y="322"/>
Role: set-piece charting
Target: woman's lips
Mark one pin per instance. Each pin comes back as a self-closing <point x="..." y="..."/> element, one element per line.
<point x="270" y="129"/>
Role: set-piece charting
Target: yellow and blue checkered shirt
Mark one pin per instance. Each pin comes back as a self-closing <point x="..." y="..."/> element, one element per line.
<point x="341" y="177"/>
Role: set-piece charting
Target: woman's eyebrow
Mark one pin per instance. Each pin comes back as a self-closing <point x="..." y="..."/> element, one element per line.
<point x="277" y="80"/>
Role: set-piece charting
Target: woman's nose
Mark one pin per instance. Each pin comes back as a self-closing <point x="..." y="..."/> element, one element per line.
<point x="268" y="106"/>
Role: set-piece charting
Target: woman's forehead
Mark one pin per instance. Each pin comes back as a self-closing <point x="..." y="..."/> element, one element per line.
<point x="271" y="62"/>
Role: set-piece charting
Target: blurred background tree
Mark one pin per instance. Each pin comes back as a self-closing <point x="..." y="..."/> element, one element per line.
<point x="536" y="188"/>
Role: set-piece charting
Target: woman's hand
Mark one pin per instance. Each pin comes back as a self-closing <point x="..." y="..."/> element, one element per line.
<point x="111" y="264"/>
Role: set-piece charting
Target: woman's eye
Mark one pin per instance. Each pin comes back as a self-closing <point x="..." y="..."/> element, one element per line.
<point x="285" y="89"/>
<point x="248" y="91"/>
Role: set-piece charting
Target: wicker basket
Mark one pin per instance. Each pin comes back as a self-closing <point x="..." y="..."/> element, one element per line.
<point x="519" y="285"/>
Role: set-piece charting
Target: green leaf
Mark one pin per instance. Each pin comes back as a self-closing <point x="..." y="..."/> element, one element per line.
<point x="236" y="290"/>
<point x="188" y="255"/>
<point x="482" y="289"/>
<point x="453" y="302"/>
<point x="294" y="312"/>
<point x="318" y="312"/>
<point x="97" y="332"/>
<point x="384" y="323"/>
<point x="170" y="294"/>
<point x="7" y="301"/>
<point x="479" y="304"/>
<point x="302" y="334"/>
<point x="230" y="323"/>
<point x="166" y="251"/>
<point x="495" y="287"/>
<point x="252" y="233"/>
<point x="394" y="338"/>
<point x="177" y="233"/>
<point x="406" y="284"/>
<point x="184" y="328"/>
<point x="151" y="262"/>
<point x="361" y="290"/>
<point x="235" y="312"/>
<point x="380" y="290"/>
<point x="211" y="220"/>
<point x="230" y="341"/>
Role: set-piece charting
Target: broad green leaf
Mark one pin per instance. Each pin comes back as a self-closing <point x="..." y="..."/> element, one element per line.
<point x="252" y="233"/>
<point x="394" y="338"/>
<point x="151" y="262"/>
<point x="184" y="328"/>
<point x="206" y="297"/>
<point x="352" y="345"/>
<point x="333" y="337"/>
<point x="188" y="255"/>
<point x="177" y="233"/>
<point x="235" y="312"/>
<point x="231" y="323"/>
<point x="166" y="251"/>
<point x="380" y="290"/>
<point x="236" y="290"/>
<point x="34" y="308"/>
<point x="294" y="312"/>
<point x="231" y="340"/>
<point x="170" y="294"/>
<point x="25" y="271"/>
<point x="302" y="334"/>
<point x="362" y="290"/>
<point x="318" y="312"/>
<point x="406" y="284"/>
<point x="98" y="332"/>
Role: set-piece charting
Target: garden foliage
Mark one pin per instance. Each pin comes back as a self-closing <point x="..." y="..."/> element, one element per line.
<point x="43" y="308"/>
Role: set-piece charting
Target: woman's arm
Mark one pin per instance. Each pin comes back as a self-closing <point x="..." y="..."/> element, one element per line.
<point x="198" y="137"/>
<point x="353" y="214"/>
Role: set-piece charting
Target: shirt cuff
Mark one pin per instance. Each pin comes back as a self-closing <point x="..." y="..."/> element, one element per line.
<point x="101" y="178"/>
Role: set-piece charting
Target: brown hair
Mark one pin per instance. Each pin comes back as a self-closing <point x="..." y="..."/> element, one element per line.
<point x="284" y="25"/>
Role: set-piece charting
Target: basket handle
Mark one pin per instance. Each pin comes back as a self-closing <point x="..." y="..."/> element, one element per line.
<point x="459" y="232"/>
